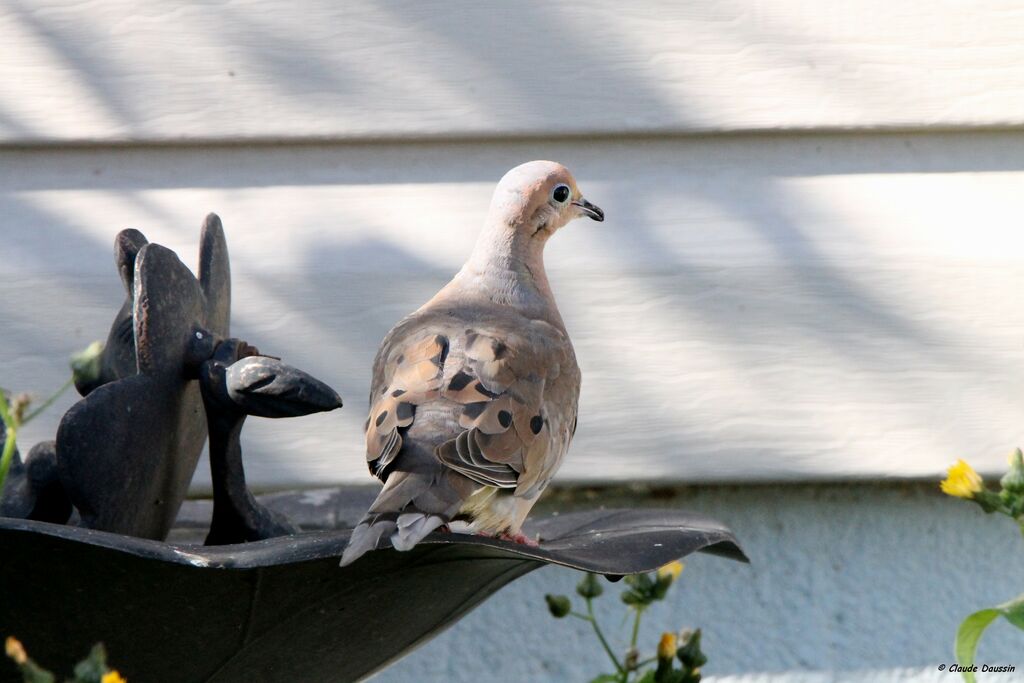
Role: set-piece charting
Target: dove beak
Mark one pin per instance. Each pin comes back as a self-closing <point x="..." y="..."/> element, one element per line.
<point x="588" y="209"/>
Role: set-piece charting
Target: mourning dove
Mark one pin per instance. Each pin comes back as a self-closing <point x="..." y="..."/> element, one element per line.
<point x="473" y="397"/>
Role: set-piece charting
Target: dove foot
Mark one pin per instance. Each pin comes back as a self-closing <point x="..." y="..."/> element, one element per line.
<point x="520" y="538"/>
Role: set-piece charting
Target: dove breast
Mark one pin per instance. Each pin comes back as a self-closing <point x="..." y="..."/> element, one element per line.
<point x="493" y="398"/>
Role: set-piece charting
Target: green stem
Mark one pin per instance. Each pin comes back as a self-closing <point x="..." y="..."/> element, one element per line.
<point x="10" y="432"/>
<point x="649" y="660"/>
<point x="49" y="402"/>
<point x="5" y="411"/>
<point x="8" y="454"/>
<point x="636" y="627"/>
<point x="604" y="643"/>
<point x="636" y="632"/>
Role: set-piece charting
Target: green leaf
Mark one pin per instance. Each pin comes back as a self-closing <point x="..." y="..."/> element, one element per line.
<point x="648" y="677"/>
<point x="1013" y="611"/>
<point x="606" y="678"/>
<point x="968" y="635"/>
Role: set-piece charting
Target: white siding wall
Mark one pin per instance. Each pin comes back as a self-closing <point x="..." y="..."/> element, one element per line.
<point x="156" y="70"/>
<point x="793" y="305"/>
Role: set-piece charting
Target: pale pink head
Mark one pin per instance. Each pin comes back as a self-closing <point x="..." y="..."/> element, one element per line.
<point x="537" y="198"/>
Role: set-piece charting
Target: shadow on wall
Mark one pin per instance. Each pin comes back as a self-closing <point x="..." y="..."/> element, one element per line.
<point x="303" y="69"/>
<point x="324" y="279"/>
<point x="520" y="66"/>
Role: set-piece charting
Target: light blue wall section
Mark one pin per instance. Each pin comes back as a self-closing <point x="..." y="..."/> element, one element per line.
<point x="848" y="583"/>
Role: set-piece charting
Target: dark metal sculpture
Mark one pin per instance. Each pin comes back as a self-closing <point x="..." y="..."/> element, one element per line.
<point x="126" y="453"/>
<point x="33" y="489"/>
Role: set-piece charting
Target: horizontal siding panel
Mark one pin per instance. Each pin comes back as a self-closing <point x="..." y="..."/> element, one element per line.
<point x="753" y="309"/>
<point x="149" y="71"/>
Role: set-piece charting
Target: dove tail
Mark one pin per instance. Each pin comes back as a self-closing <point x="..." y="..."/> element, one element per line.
<point x="401" y="513"/>
<point x="365" y="538"/>
<point x="404" y="531"/>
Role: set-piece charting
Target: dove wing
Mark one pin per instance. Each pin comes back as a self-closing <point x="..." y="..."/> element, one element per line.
<point x="492" y="383"/>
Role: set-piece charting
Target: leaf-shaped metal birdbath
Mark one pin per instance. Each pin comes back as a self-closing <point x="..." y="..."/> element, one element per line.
<point x="281" y="609"/>
<point x="260" y="601"/>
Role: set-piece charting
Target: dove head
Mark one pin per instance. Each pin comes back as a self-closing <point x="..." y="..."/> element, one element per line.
<point x="529" y="205"/>
<point x="535" y="199"/>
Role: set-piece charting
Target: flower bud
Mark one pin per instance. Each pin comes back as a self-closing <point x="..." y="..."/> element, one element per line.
<point x="85" y="365"/>
<point x="589" y="586"/>
<point x="634" y="599"/>
<point x="671" y="570"/>
<point x="632" y="659"/>
<point x="664" y="578"/>
<point x="15" y="650"/>
<point x="641" y="592"/>
<point x="558" y="605"/>
<point x="689" y="651"/>
<point x="19" y="406"/>
<point x="668" y="645"/>
<point x="1013" y="480"/>
<point x="641" y="582"/>
<point x="666" y="651"/>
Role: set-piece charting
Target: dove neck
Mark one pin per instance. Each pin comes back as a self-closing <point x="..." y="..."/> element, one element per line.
<point x="508" y="267"/>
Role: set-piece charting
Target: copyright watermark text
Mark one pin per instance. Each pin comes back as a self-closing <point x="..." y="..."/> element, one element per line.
<point x="978" y="668"/>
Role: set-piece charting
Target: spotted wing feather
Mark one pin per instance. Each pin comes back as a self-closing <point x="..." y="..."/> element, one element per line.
<point x="497" y="384"/>
<point x="416" y="378"/>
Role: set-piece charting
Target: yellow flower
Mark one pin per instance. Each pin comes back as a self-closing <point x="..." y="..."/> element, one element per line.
<point x="670" y="570"/>
<point x="961" y="481"/>
<point x="112" y="677"/>
<point x="667" y="645"/>
<point x="15" y="650"/>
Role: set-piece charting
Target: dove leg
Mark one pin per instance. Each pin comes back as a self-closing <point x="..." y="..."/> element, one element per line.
<point x="499" y="514"/>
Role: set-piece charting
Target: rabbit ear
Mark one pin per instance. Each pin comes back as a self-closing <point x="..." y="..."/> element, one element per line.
<point x="215" y="276"/>
<point x="168" y="302"/>
<point x="127" y="245"/>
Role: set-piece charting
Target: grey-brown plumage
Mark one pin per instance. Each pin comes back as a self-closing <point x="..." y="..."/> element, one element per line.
<point x="473" y="398"/>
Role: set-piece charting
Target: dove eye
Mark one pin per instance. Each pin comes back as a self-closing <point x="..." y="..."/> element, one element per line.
<point x="561" y="193"/>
